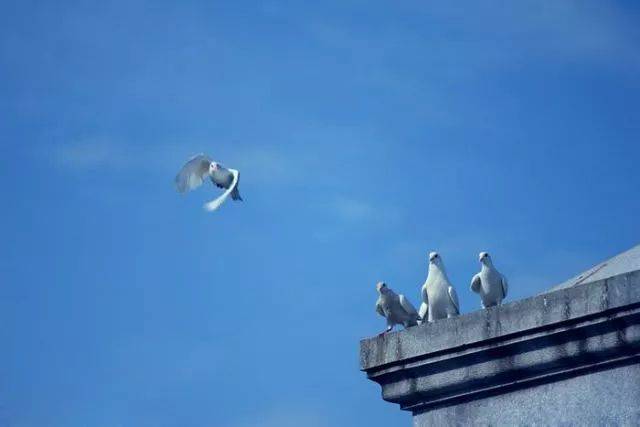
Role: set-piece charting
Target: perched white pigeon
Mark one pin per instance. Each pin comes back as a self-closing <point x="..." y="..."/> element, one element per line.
<point x="489" y="283"/>
<point x="395" y="308"/>
<point x="439" y="298"/>
<point x="193" y="173"/>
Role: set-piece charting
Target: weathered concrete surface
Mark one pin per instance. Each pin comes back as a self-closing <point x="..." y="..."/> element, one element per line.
<point x="551" y="359"/>
<point x="606" y="398"/>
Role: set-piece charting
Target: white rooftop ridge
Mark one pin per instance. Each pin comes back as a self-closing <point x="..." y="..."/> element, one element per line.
<point x="622" y="263"/>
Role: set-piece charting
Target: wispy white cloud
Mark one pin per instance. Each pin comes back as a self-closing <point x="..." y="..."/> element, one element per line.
<point x="295" y="150"/>
<point x="267" y="163"/>
<point x="482" y="39"/>
<point x="354" y="210"/>
<point x="89" y="154"/>
<point x="346" y="214"/>
<point x="109" y="154"/>
<point x="566" y="31"/>
<point x="570" y="30"/>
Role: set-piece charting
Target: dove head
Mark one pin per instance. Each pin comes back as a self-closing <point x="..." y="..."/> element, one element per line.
<point x="484" y="258"/>
<point x="434" y="258"/>
<point x="382" y="288"/>
<point x="213" y="166"/>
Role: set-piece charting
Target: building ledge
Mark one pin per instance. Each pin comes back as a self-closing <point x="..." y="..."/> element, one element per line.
<point x="542" y="339"/>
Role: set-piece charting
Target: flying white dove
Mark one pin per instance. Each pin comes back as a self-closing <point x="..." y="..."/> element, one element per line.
<point x="193" y="173"/>
<point x="489" y="283"/>
<point x="439" y="298"/>
<point x="395" y="308"/>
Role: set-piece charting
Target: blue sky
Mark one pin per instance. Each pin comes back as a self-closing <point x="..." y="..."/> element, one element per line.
<point x="367" y="133"/>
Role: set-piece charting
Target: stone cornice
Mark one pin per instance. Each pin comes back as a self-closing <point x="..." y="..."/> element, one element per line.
<point x="539" y="339"/>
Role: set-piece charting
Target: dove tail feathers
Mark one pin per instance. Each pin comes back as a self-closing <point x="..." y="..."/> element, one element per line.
<point x="212" y="205"/>
<point x="233" y="188"/>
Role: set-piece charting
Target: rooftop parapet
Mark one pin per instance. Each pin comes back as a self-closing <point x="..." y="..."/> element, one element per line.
<point x="567" y="344"/>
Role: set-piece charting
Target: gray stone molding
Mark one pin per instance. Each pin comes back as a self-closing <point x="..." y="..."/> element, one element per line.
<point x="547" y="338"/>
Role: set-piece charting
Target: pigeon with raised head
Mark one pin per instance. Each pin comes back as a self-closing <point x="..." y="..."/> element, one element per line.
<point x="439" y="298"/>
<point x="489" y="282"/>
<point x="395" y="308"/>
<point x="200" y="167"/>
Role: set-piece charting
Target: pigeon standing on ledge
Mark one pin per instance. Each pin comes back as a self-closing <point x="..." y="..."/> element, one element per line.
<point x="439" y="298"/>
<point x="193" y="173"/>
<point x="395" y="308"/>
<point x="489" y="283"/>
